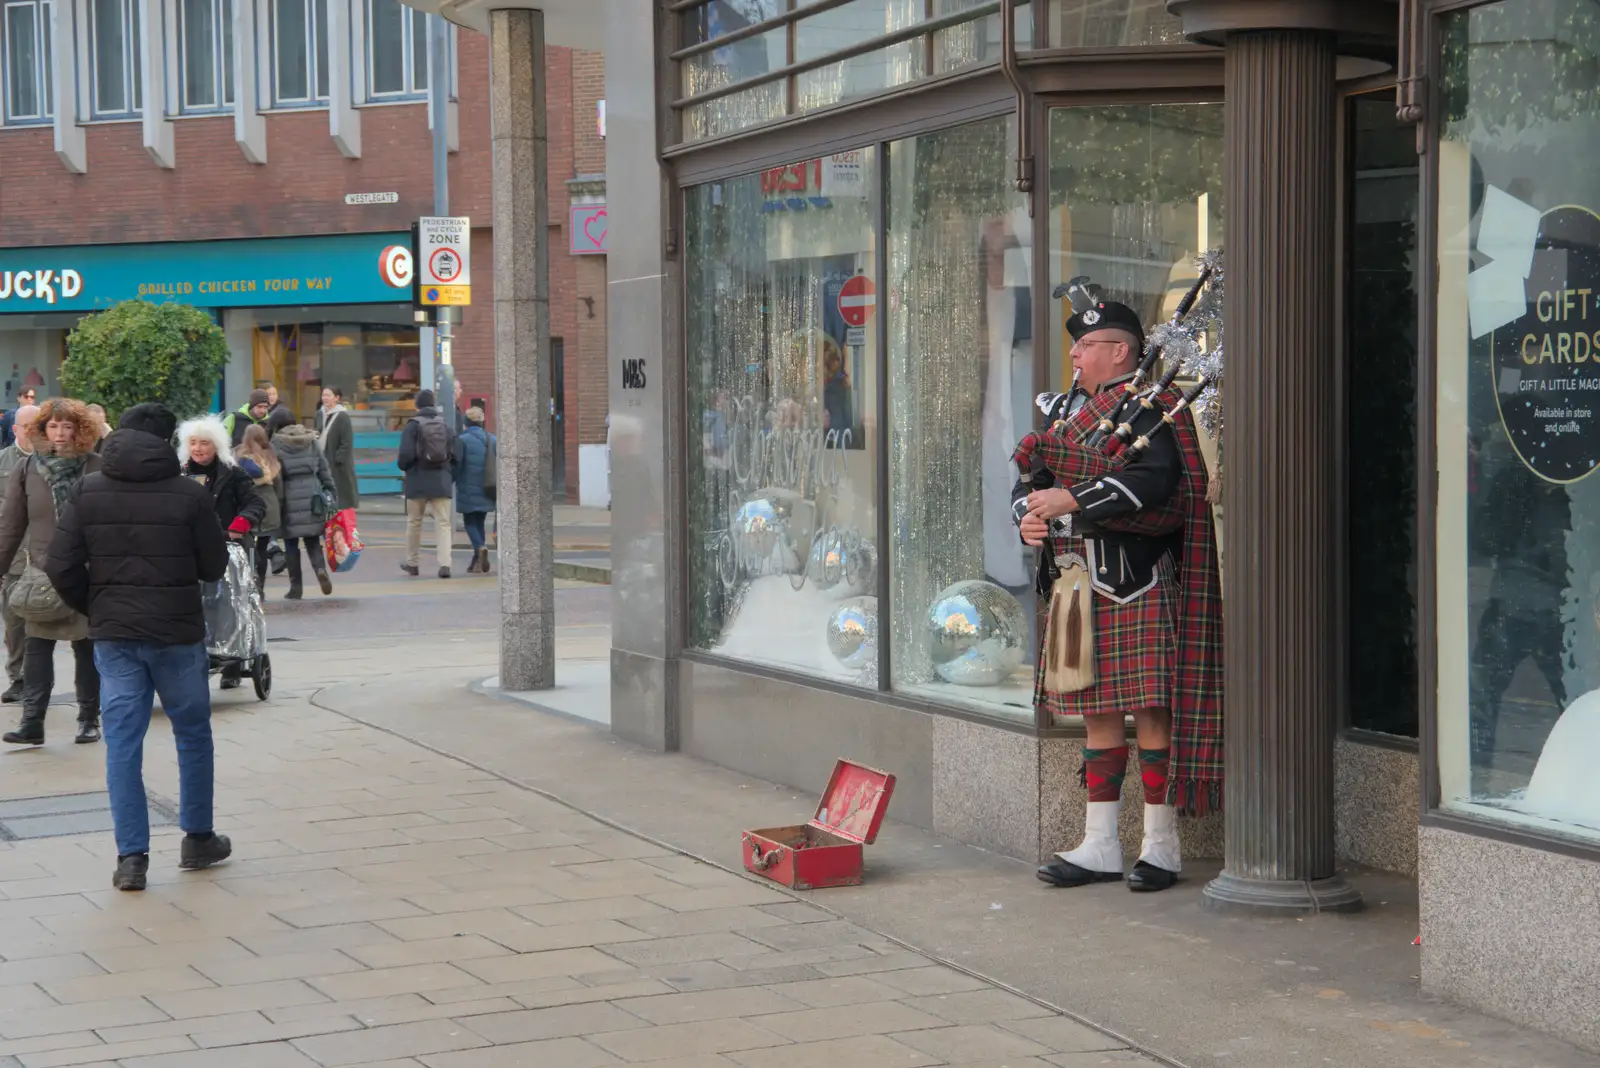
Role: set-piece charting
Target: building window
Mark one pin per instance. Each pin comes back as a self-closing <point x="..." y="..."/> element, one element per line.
<point x="1518" y="408"/>
<point x="783" y="494"/>
<point x="960" y="398"/>
<point x="30" y="94"/>
<point x="206" y="27"/>
<point x="300" y="52"/>
<point x="115" y="51"/>
<point x="397" y="50"/>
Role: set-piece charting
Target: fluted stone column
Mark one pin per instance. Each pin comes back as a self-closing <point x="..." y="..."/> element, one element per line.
<point x="520" y="155"/>
<point x="1280" y="483"/>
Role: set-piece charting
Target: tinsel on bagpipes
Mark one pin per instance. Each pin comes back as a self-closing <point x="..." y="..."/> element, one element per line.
<point x="1195" y="345"/>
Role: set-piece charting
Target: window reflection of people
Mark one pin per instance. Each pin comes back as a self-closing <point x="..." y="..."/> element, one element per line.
<point x="836" y="399"/>
<point x="714" y="430"/>
<point x="1523" y="531"/>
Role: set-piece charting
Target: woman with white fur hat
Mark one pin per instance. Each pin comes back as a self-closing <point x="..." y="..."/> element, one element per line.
<point x="206" y="453"/>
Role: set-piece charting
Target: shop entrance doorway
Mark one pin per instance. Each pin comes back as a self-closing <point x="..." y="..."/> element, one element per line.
<point x="1380" y="357"/>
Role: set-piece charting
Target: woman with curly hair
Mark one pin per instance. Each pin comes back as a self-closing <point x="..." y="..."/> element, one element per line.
<point x="64" y="437"/>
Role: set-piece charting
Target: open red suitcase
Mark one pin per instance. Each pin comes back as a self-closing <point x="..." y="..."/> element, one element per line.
<point x="827" y="851"/>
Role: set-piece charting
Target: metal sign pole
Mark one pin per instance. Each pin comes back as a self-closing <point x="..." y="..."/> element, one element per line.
<point x="439" y="90"/>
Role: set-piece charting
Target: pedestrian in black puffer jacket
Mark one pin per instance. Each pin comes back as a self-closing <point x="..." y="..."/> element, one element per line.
<point x="305" y="478"/>
<point x="131" y="551"/>
<point x="134" y="549"/>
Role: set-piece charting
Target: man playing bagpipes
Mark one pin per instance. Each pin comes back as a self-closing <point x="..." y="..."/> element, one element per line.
<point x="1115" y="495"/>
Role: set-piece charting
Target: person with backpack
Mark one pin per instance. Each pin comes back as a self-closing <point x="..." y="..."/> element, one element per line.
<point x="428" y="452"/>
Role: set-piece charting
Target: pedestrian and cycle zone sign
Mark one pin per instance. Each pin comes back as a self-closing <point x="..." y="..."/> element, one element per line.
<point x="444" y="261"/>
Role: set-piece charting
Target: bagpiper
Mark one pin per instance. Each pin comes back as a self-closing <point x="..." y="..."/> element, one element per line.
<point x="1135" y="617"/>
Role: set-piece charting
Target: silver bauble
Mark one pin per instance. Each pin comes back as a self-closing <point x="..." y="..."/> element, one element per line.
<point x="773" y="530"/>
<point x="827" y="566"/>
<point x="853" y="632"/>
<point x="977" y="633"/>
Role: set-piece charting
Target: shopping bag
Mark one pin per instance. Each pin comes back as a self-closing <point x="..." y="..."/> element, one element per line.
<point x="341" y="541"/>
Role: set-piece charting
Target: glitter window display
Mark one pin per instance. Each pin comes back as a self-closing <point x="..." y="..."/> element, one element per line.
<point x="782" y="369"/>
<point x="961" y="386"/>
<point x="1517" y="540"/>
<point x="1135" y="197"/>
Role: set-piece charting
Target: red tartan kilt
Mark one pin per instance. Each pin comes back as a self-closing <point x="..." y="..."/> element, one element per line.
<point x="1136" y="654"/>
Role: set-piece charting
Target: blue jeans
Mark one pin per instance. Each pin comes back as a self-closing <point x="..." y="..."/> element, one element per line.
<point x="131" y="673"/>
<point x="473" y="521"/>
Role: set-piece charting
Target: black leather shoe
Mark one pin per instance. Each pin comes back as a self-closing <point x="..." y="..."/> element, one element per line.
<point x="410" y="570"/>
<point x="88" y="732"/>
<point x="200" y="853"/>
<point x="131" y="871"/>
<point x="294" y="592"/>
<point x="1147" y="878"/>
<point x="444" y="572"/>
<point x="13" y="694"/>
<point x="25" y="734"/>
<point x="1066" y="874"/>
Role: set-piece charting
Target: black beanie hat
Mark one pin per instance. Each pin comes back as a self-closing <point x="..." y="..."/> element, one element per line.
<point x="152" y="418"/>
<point x="426" y="399"/>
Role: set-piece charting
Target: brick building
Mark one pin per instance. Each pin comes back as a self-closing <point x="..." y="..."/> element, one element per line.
<point x="100" y="205"/>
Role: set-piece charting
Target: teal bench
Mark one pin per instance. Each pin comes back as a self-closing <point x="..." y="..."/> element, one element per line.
<point x="377" y="471"/>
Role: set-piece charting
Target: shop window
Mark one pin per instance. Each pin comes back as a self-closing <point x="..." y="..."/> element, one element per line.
<point x="1518" y="408"/>
<point x="206" y="38"/>
<point x="116" y="56"/>
<point x="960" y="398"/>
<point x="1112" y="23"/>
<point x="782" y="373"/>
<point x="300" y="52"/>
<point x="1135" y="196"/>
<point x="397" y="50"/>
<point x="30" y="94"/>
<point x="377" y="365"/>
<point x="1381" y="387"/>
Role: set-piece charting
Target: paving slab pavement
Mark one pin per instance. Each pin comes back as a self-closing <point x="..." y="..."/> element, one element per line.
<point x="390" y="905"/>
<point x="1197" y="988"/>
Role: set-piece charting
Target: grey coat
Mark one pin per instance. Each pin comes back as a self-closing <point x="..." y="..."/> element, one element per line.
<point x="11" y="458"/>
<point x="339" y="446"/>
<point x="27" y="524"/>
<point x="270" y="490"/>
<point x="305" y="475"/>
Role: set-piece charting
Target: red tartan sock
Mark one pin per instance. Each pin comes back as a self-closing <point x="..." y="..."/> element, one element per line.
<point x="1153" y="770"/>
<point x="1103" y="771"/>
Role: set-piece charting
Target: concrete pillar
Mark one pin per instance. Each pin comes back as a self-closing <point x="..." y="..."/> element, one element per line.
<point x="642" y="314"/>
<point x="520" y="156"/>
<point x="1280" y="482"/>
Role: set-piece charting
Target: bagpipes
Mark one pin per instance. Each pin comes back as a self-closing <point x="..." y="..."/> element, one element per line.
<point x="1098" y="456"/>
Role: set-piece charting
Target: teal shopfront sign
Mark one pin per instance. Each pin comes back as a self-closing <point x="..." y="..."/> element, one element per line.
<point x="258" y="272"/>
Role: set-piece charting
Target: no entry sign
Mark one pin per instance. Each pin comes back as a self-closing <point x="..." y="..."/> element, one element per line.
<point x="858" y="300"/>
